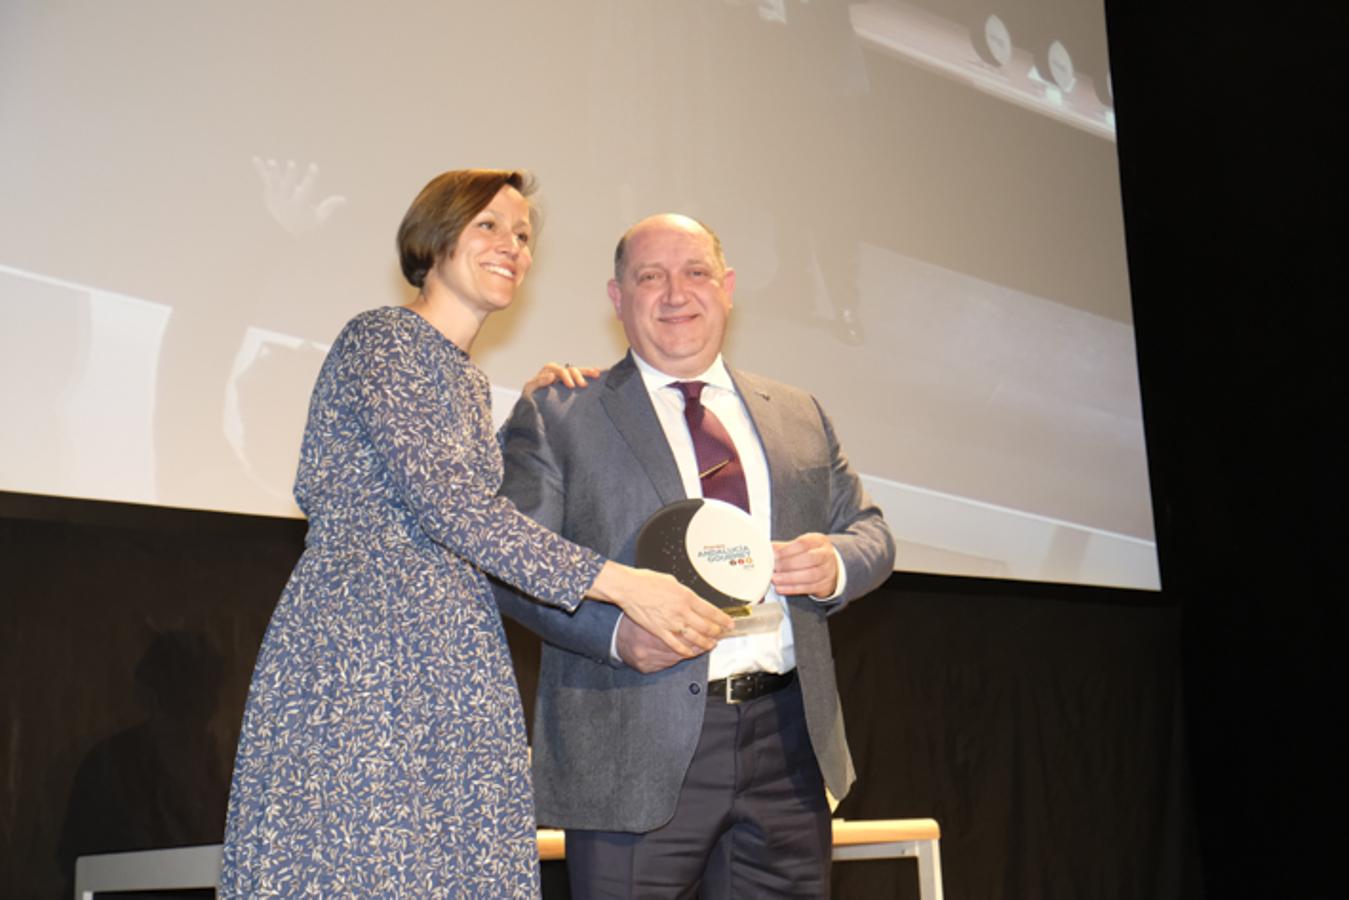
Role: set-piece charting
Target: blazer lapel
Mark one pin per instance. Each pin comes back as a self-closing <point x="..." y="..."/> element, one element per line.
<point x="767" y="423"/>
<point x="629" y="407"/>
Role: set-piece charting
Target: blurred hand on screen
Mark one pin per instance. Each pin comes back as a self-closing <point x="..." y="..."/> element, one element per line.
<point x="289" y="196"/>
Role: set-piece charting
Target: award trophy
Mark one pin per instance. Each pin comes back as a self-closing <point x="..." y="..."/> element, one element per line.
<point x="717" y="551"/>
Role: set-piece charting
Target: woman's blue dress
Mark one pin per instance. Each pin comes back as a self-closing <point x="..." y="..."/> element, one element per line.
<point x="383" y="745"/>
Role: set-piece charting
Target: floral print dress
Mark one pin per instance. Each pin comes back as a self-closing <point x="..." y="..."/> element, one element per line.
<point x="383" y="745"/>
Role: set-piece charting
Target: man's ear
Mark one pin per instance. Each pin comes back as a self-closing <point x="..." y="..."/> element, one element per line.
<point x="616" y="297"/>
<point x="728" y="285"/>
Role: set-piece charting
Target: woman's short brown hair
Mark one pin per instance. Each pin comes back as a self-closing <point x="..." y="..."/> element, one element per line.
<point x="444" y="207"/>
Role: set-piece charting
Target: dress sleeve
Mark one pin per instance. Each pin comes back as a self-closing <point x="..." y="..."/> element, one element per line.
<point x="397" y="396"/>
<point x="533" y="482"/>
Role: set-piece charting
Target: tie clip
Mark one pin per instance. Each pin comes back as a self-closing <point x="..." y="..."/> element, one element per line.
<point x="712" y="470"/>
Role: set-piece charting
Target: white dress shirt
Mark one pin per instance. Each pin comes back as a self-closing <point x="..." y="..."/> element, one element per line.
<point x="772" y="651"/>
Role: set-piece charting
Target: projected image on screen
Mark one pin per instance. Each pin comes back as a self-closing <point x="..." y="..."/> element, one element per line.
<point x="920" y="199"/>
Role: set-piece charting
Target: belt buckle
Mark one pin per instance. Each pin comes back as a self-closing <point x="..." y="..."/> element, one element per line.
<point x="731" y="680"/>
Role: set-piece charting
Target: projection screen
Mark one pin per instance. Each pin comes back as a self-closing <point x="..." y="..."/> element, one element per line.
<point x="920" y="199"/>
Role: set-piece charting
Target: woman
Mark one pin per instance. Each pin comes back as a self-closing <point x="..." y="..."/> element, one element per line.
<point x="383" y="746"/>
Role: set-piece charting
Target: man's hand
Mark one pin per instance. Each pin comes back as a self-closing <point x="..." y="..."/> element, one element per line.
<point x="571" y="376"/>
<point x="641" y="649"/>
<point x="807" y="565"/>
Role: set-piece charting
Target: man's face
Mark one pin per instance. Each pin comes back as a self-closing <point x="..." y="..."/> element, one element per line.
<point x="674" y="297"/>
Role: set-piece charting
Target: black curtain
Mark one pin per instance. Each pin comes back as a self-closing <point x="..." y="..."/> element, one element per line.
<point x="1038" y="723"/>
<point x="127" y="637"/>
<point x="1232" y="162"/>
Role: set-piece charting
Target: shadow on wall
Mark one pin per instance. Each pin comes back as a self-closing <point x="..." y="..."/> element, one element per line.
<point x="159" y="783"/>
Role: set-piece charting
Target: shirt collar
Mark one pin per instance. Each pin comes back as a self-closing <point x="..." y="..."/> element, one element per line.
<point x="716" y="375"/>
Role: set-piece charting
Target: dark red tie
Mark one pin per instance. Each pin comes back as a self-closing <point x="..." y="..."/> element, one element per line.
<point x="719" y="467"/>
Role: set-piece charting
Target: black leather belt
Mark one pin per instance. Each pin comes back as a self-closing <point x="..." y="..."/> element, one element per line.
<point x="739" y="688"/>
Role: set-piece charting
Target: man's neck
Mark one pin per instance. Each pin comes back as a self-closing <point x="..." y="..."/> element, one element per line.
<point x="713" y="373"/>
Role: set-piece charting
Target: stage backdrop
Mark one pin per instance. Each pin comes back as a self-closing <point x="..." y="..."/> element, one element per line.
<point x="920" y="197"/>
<point x="1037" y="723"/>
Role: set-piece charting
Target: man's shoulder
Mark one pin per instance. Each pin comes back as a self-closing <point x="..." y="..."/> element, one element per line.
<point x="559" y="401"/>
<point x="771" y="387"/>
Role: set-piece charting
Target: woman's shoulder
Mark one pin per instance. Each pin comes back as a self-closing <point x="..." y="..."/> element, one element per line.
<point x="388" y="321"/>
<point x="383" y="329"/>
<point x="394" y="338"/>
<point x="400" y="325"/>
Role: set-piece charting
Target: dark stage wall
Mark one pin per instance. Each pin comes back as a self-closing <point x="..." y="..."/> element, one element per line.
<point x="1232" y="166"/>
<point x="1039" y="724"/>
<point x="127" y="636"/>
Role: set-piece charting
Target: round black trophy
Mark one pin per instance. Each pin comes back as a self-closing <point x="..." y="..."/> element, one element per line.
<point x="713" y="548"/>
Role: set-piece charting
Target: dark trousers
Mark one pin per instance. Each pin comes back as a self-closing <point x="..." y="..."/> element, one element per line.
<point x="752" y="819"/>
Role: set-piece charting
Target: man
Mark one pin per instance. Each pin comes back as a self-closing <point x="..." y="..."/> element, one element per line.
<point x="705" y="775"/>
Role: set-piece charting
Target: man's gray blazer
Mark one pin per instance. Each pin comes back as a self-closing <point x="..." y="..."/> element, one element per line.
<point x="610" y="744"/>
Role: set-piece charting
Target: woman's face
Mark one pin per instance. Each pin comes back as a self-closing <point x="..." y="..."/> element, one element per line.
<point x="492" y="255"/>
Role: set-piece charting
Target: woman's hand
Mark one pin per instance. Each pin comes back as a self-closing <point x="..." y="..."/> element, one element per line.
<point x="685" y="622"/>
<point x="571" y="376"/>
